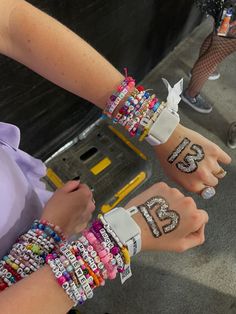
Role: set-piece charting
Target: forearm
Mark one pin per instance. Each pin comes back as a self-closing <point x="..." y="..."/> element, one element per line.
<point x="52" y="50"/>
<point x="41" y="292"/>
<point x="38" y="293"/>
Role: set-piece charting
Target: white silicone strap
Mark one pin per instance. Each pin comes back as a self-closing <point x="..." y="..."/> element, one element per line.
<point x="125" y="228"/>
<point x="134" y="245"/>
<point x="132" y="210"/>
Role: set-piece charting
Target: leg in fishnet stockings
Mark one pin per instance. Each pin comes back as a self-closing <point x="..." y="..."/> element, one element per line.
<point x="205" y="45"/>
<point x="220" y="48"/>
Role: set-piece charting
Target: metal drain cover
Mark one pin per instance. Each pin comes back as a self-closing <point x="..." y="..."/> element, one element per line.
<point x="105" y="160"/>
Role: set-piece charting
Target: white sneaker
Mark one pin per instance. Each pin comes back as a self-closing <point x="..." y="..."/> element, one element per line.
<point x="213" y="76"/>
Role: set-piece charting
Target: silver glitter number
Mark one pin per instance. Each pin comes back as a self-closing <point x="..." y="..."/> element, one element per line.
<point x="163" y="212"/>
<point x="178" y="150"/>
<point x="190" y="163"/>
<point x="150" y="221"/>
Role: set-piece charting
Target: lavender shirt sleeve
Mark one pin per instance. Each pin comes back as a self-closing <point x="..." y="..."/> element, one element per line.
<point x="22" y="193"/>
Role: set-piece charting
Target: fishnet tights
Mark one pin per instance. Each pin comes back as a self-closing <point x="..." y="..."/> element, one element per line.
<point x="213" y="51"/>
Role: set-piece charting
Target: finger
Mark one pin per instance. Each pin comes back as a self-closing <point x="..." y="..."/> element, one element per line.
<point x="71" y="186"/>
<point x="203" y="219"/>
<point x="223" y="157"/>
<point x="91" y="207"/>
<point x="80" y="228"/>
<point x="195" y="238"/>
<point x="176" y="194"/>
<point x="192" y="220"/>
<point x="85" y="190"/>
<point x="211" y="180"/>
<point x="192" y="184"/>
<point x="220" y="173"/>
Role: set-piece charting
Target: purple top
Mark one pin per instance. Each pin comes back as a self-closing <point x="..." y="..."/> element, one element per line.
<point x="22" y="194"/>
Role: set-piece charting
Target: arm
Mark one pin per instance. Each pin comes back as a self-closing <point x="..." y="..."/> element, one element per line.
<point x="40" y="293"/>
<point x="52" y="50"/>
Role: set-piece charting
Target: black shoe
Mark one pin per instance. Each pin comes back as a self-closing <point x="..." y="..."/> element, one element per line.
<point x="231" y="136"/>
<point x="198" y="103"/>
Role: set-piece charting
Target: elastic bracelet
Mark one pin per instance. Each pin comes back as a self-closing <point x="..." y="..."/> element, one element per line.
<point x="97" y="269"/>
<point x="52" y="230"/>
<point x="89" y="268"/>
<point x="74" y="287"/>
<point x="106" y="265"/>
<point x="117" y="240"/>
<point x="78" y="271"/>
<point x="62" y="282"/>
<point x="127" y="84"/>
<point x="112" y="246"/>
<point x="94" y="259"/>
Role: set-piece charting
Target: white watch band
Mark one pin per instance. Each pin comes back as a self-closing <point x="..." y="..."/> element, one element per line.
<point x="125" y="228"/>
<point x="132" y="210"/>
<point x="163" y="127"/>
<point x="134" y="245"/>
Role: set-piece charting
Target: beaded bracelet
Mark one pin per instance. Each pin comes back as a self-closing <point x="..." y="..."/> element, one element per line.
<point x="138" y="113"/>
<point x="126" y="85"/>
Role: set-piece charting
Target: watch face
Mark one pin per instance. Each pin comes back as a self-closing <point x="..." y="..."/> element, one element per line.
<point x="163" y="127"/>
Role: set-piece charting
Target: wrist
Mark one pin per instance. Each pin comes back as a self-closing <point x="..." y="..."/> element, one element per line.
<point x="175" y="137"/>
<point x="145" y="231"/>
<point x="142" y="114"/>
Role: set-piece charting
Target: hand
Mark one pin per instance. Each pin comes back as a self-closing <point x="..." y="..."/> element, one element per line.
<point x="188" y="233"/>
<point x="70" y="207"/>
<point x="204" y="172"/>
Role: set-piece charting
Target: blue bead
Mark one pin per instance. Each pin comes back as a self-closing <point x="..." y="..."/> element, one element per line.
<point x="41" y="226"/>
<point x="156" y="106"/>
<point x="12" y="279"/>
<point x="47" y="229"/>
<point x="103" y="116"/>
<point x="57" y="238"/>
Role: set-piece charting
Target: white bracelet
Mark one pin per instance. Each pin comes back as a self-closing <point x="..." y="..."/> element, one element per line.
<point x="125" y="227"/>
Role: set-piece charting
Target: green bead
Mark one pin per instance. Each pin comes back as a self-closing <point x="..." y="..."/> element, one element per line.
<point x="35" y="249"/>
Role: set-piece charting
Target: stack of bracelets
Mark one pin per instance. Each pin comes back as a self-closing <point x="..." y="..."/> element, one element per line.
<point x="79" y="266"/>
<point x="105" y="248"/>
<point x="141" y="113"/>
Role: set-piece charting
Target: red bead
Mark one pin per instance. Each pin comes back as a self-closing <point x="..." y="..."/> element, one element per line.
<point x="140" y="88"/>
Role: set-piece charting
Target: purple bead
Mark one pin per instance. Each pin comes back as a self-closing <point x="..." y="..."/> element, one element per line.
<point x="97" y="226"/>
<point x="120" y="269"/>
<point x="115" y="250"/>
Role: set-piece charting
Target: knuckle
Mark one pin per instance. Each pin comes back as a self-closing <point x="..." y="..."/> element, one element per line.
<point x="189" y="202"/>
<point x="195" y="217"/>
<point x="161" y="185"/>
<point x="214" y="150"/>
<point x="182" y="247"/>
<point x="192" y="186"/>
<point x="202" y="173"/>
<point x="175" y="192"/>
<point x="201" y="239"/>
<point x="86" y="191"/>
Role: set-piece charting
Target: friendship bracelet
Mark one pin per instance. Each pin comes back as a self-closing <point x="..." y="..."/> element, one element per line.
<point x="143" y="115"/>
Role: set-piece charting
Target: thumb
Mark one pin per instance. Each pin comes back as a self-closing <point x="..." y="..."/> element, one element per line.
<point x="70" y="186"/>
